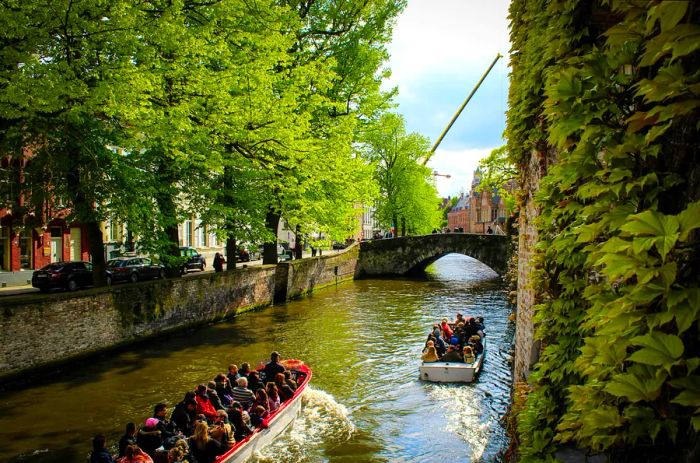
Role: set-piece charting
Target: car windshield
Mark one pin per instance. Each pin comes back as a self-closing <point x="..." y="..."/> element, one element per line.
<point x="54" y="267"/>
<point x="116" y="263"/>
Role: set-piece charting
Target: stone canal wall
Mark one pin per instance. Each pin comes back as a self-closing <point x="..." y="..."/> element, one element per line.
<point x="40" y="331"/>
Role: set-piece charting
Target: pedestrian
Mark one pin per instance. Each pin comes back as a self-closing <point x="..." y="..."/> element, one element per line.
<point x="489" y="231"/>
<point x="313" y="251"/>
<point x="218" y="263"/>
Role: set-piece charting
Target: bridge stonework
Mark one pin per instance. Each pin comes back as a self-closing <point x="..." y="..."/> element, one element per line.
<point x="412" y="254"/>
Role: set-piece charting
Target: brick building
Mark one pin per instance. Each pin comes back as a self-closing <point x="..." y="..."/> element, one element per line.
<point x="476" y="212"/>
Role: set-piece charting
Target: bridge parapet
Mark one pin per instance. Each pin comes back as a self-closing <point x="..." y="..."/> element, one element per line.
<point x="412" y="254"/>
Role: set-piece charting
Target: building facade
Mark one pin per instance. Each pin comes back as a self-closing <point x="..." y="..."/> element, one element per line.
<point x="477" y="212"/>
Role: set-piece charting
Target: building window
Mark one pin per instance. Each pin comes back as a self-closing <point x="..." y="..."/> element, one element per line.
<point x="4" y="248"/>
<point x="187" y="233"/>
<point x="199" y="239"/>
<point x="25" y="250"/>
<point x="494" y="214"/>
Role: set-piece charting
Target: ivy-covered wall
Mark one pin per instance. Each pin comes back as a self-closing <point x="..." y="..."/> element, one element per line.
<point x="609" y="91"/>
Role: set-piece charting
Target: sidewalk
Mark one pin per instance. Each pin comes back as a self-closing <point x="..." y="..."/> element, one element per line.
<point x="29" y="289"/>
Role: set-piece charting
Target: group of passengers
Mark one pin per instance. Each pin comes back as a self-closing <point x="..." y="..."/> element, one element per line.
<point x="208" y="421"/>
<point x="456" y="341"/>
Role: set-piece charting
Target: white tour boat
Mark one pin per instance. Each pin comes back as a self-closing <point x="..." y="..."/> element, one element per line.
<point x="452" y="372"/>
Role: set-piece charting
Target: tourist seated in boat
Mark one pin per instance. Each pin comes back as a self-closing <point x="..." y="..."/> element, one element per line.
<point x="204" y="448"/>
<point x="204" y="405"/>
<point x="257" y="415"/>
<point x="480" y="326"/>
<point x="430" y="354"/>
<point x="261" y="399"/>
<point x="134" y="454"/>
<point x="468" y="354"/>
<point x="439" y="344"/>
<point x="244" y="370"/>
<point x="285" y="392"/>
<point x="452" y="355"/>
<point x="475" y="342"/>
<point x="232" y="374"/>
<point x="166" y="427"/>
<point x="100" y="454"/>
<point x="242" y="394"/>
<point x="447" y="332"/>
<point x="273" y="396"/>
<point x="149" y="437"/>
<point x="290" y="382"/>
<point x="254" y="382"/>
<point x="129" y="438"/>
<point x="221" y="430"/>
<point x="214" y="396"/>
<point x="458" y="319"/>
<point x="180" y="453"/>
<point x="273" y="367"/>
<point x="223" y="389"/>
<point x="176" y="455"/>
<point x="184" y="414"/>
<point x="236" y="416"/>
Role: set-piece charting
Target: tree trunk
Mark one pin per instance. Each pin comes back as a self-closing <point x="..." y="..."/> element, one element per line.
<point x="403" y="226"/>
<point x="272" y="221"/>
<point x="168" y="209"/>
<point x="231" y="253"/>
<point x="85" y="213"/>
<point x="298" y="248"/>
<point x="231" y="248"/>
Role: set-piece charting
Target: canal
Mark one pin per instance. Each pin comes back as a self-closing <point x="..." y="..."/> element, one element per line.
<point x="363" y="341"/>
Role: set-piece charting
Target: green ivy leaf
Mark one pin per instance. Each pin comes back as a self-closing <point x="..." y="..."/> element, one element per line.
<point x="689" y="220"/>
<point x="690" y="394"/>
<point x="659" y="349"/>
<point x="669" y="14"/>
<point x="651" y="223"/>
<point x="634" y="388"/>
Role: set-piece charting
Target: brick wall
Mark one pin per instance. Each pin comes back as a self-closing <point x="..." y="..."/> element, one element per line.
<point x="526" y="349"/>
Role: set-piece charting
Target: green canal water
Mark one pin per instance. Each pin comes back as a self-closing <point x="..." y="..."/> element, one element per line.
<point x="365" y="404"/>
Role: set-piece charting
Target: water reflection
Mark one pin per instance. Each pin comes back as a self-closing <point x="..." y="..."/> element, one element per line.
<point x="363" y="341"/>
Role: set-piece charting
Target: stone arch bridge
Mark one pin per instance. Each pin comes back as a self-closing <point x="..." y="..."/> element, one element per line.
<point x="412" y="254"/>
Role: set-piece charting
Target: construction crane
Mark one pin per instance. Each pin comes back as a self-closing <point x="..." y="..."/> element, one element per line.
<point x="459" y="111"/>
<point x="435" y="174"/>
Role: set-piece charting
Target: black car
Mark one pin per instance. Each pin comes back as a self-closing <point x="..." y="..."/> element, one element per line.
<point x="194" y="259"/>
<point x="133" y="269"/>
<point x="68" y="275"/>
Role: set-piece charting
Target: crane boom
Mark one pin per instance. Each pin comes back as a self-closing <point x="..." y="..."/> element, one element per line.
<point x="459" y="111"/>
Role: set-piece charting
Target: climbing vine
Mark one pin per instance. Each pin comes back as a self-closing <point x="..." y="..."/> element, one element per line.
<point x="613" y="88"/>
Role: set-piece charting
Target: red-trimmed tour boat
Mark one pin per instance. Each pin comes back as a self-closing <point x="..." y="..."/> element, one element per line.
<point x="276" y="423"/>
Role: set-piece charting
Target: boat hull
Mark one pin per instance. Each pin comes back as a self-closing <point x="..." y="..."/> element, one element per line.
<point x="451" y="372"/>
<point x="266" y="436"/>
<point x="273" y="426"/>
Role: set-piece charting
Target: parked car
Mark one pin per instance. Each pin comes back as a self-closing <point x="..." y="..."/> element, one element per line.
<point x="133" y="269"/>
<point x="337" y="245"/>
<point x="68" y="275"/>
<point x="194" y="259"/>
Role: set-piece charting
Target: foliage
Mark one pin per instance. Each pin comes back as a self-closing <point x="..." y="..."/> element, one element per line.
<point x="498" y="174"/>
<point x="408" y="199"/>
<point x="618" y="263"/>
<point x="227" y="110"/>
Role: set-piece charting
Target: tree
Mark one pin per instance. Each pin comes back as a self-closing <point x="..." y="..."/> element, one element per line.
<point x="498" y="174"/>
<point x="408" y="199"/>
<point x="63" y="65"/>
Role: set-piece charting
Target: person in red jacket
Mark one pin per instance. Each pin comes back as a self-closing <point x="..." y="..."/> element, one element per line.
<point x="446" y="330"/>
<point x="204" y="405"/>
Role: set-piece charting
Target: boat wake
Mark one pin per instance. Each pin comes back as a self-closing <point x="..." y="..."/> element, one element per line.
<point x="464" y="412"/>
<point x="322" y="421"/>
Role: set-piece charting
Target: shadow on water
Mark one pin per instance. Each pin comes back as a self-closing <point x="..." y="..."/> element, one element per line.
<point x="362" y="339"/>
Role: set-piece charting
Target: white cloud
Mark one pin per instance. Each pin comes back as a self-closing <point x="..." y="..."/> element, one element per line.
<point x="446" y="36"/>
<point x="460" y="165"/>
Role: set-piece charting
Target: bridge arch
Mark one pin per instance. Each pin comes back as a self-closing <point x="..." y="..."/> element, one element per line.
<point x="410" y="254"/>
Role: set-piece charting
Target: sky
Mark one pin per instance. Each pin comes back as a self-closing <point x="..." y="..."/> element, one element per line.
<point x="439" y="50"/>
